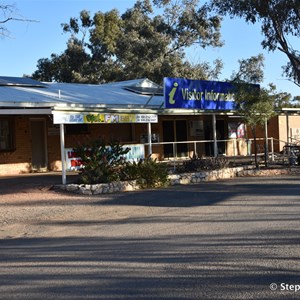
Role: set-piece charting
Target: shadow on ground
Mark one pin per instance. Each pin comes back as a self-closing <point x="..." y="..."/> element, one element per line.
<point x="185" y="267"/>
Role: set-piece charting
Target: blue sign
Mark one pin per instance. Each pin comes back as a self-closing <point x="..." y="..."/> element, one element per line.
<point x="198" y="94"/>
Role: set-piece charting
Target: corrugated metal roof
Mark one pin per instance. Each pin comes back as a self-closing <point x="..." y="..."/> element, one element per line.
<point x="81" y="95"/>
<point x="20" y="81"/>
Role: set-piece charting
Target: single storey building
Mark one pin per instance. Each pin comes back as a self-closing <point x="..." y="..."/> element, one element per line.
<point x="40" y="123"/>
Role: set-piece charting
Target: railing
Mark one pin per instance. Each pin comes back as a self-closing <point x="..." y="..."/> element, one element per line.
<point x="261" y="149"/>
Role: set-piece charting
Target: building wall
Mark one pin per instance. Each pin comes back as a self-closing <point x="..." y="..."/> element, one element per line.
<point x="277" y="128"/>
<point x="273" y="131"/>
<point x="19" y="160"/>
<point x="198" y="128"/>
<point x="294" y="131"/>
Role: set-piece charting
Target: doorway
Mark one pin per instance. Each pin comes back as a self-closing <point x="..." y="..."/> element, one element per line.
<point x="38" y="144"/>
<point x="175" y="131"/>
<point x="220" y="127"/>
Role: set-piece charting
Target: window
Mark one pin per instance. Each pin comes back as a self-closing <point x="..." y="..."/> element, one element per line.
<point x="77" y="129"/>
<point x="6" y="134"/>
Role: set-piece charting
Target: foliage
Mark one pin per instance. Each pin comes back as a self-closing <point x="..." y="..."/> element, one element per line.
<point x="284" y="99"/>
<point x="148" y="172"/>
<point x="137" y="44"/>
<point x="102" y="163"/>
<point x="255" y="105"/>
<point x="196" y="164"/>
<point x="279" y="19"/>
<point x="251" y="70"/>
<point x="106" y="163"/>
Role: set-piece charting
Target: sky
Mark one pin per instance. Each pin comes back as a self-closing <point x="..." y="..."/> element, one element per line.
<point x="30" y="41"/>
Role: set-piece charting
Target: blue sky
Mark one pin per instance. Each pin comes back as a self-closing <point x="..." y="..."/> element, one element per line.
<point x="29" y="42"/>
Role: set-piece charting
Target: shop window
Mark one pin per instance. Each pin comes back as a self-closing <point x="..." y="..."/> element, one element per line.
<point x="6" y="135"/>
<point x="77" y="129"/>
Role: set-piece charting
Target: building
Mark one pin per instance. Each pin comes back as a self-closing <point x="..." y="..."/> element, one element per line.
<point x="41" y="122"/>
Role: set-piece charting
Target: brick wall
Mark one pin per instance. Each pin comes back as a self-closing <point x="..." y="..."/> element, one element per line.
<point x="19" y="160"/>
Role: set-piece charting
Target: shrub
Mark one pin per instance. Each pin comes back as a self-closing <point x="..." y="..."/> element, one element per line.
<point x="153" y="174"/>
<point x="101" y="163"/>
<point x="196" y="164"/>
<point x="148" y="172"/>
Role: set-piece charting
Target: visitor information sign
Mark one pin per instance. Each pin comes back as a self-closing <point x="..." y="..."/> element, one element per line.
<point x="198" y="94"/>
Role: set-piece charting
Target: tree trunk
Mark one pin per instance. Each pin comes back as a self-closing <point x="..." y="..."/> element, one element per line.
<point x="253" y="128"/>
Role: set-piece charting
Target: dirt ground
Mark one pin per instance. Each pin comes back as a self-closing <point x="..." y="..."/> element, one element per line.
<point x="30" y="207"/>
<point x="28" y="200"/>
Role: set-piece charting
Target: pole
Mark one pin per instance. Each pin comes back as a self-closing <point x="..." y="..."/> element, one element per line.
<point x="272" y="148"/>
<point x="287" y="128"/>
<point x="62" y="154"/>
<point x="215" y="135"/>
<point x="149" y="139"/>
<point x="266" y="143"/>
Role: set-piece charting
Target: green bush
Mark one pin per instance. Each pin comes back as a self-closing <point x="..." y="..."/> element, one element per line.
<point x="106" y="163"/>
<point x="153" y="174"/>
<point x="131" y="171"/>
<point x="102" y="163"/>
<point x="148" y="172"/>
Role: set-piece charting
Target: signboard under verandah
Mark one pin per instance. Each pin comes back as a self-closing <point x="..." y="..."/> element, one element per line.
<point x="104" y="118"/>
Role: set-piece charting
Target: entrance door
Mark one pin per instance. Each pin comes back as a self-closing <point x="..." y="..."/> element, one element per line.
<point x="168" y="136"/>
<point x="175" y="131"/>
<point x="38" y="140"/>
<point x="220" y="127"/>
<point x="181" y="135"/>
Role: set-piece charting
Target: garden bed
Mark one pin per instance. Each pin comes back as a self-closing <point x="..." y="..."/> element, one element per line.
<point x="177" y="179"/>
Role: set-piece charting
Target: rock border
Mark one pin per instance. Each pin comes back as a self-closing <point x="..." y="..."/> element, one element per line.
<point x="176" y="179"/>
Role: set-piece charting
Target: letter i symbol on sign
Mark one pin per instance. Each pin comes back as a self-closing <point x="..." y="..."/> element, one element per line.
<point x="172" y="93"/>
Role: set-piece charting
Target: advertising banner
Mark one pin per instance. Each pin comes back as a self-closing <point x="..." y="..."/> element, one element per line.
<point x="198" y="94"/>
<point x="74" y="163"/>
<point x="95" y="118"/>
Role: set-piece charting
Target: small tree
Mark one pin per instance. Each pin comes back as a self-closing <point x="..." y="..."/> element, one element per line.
<point x="101" y="162"/>
<point x="256" y="107"/>
<point x="254" y="104"/>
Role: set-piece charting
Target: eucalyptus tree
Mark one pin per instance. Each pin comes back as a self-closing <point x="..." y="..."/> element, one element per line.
<point x="154" y="46"/>
<point x="138" y="43"/>
<point x="280" y="23"/>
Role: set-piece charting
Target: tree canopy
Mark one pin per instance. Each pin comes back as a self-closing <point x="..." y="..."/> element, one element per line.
<point x="279" y="19"/>
<point x="255" y="105"/>
<point x="139" y="43"/>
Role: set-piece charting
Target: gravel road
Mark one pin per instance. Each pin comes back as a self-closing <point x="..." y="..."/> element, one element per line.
<point x="224" y="240"/>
